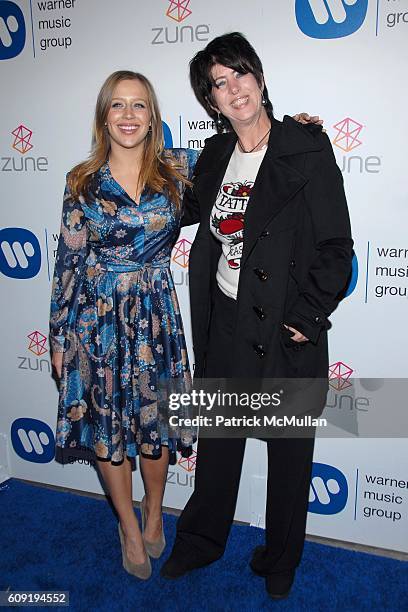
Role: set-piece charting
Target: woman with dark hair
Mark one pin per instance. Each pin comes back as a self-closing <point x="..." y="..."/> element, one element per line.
<point x="275" y="233"/>
<point x="116" y="329"/>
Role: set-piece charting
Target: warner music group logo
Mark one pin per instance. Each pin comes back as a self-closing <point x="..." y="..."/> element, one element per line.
<point x="330" y="18"/>
<point x="179" y="11"/>
<point x="20" y="253"/>
<point x="33" y="440"/>
<point x="328" y="490"/>
<point x="12" y="30"/>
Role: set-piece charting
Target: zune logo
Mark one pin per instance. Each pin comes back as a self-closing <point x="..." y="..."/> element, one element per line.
<point x="188" y="463"/>
<point x="22" y="136"/>
<point x="167" y="136"/>
<point x="330" y="18"/>
<point x="20" y="253"/>
<point x="339" y="374"/>
<point x="328" y="490"/>
<point x="33" y="440"/>
<point x="12" y="30"/>
<point x="181" y="252"/>
<point x="178" y="10"/>
<point x="348" y="132"/>
<point x="37" y="343"/>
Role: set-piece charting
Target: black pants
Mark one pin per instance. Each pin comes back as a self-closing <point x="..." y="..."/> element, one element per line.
<point x="204" y="525"/>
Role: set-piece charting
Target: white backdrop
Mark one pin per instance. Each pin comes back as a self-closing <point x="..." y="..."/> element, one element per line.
<point x="343" y="60"/>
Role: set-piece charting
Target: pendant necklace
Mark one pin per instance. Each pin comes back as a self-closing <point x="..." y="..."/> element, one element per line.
<point x="257" y="145"/>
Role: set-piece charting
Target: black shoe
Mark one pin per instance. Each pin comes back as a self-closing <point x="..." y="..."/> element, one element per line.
<point x="278" y="585"/>
<point x="177" y="566"/>
<point x="256" y="562"/>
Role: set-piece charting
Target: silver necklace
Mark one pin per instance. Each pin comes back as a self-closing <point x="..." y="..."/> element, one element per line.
<point x="257" y="145"/>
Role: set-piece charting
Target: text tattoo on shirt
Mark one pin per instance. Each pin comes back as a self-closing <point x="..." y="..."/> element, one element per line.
<point x="228" y="217"/>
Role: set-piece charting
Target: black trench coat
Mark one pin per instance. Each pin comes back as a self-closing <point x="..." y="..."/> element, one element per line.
<point x="296" y="259"/>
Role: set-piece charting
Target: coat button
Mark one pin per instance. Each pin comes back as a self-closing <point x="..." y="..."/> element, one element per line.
<point x="293" y="263"/>
<point x="317" y="319"/>
<point x="260" y="313"/>
<point x="259" y="350"/>
<point x="261" y="274"/>
<point x="264" y="234"/>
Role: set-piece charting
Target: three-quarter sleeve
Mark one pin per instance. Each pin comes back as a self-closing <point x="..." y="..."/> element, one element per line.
<point x="69" y="268"/>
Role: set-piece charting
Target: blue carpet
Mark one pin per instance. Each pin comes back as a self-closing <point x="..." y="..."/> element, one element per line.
<point x="61" y="541"/>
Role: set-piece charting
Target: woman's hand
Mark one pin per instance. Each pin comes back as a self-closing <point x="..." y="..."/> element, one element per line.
<point x="306" y="118"/>
<point x="297" y="335"/>
<point x="57" y="363"/>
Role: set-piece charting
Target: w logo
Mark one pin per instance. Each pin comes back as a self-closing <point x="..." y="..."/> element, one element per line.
<point x="33" y="440"/>
<point x="20" y="253"/>
<point x="330" y="18"/>
<point x="12" y="30"/>
<point x="328" y="490"/>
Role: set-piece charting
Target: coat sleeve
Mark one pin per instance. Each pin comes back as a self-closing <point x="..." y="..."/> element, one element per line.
<point x="69" y="268"/>
<point x="323" y="286"/>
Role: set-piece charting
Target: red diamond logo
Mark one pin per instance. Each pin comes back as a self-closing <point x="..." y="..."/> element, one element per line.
<point x="37" y="343"/>
<point x="339" y="374"/>
<point x="181" y="252"/>
<point x="348" y="132"/>
<point x="178" y="10"/>
<point x="188" y="463"/>
<point x="22" y="136"/>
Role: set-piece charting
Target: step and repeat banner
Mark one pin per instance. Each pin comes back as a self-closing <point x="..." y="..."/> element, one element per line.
<point x="343" y="59"/>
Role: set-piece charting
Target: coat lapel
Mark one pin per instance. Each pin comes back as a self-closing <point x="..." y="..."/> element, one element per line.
<point x="277" y="181"/>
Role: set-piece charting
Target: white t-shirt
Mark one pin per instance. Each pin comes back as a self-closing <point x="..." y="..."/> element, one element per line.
<point x="227" y="215"/>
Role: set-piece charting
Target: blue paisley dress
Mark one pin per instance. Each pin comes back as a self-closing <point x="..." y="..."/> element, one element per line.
<point x="116" y="318"/>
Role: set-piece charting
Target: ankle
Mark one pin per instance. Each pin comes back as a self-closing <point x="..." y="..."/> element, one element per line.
<point x="152" y="507"/>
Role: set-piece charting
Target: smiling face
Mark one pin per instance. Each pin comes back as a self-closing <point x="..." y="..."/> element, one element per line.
<point x="129" y="115"/>
<point x="236" y="96"/>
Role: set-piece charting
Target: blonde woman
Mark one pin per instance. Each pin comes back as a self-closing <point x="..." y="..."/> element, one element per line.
<point x="116" y="329"/>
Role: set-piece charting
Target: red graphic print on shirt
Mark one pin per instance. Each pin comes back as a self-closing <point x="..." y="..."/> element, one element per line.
<point x="228" y="218"/>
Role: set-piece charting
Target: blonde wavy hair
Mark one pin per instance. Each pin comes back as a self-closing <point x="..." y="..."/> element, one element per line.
<point x="159" y="173"/>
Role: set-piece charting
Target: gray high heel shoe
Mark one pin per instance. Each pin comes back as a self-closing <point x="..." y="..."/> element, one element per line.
<point x="140" y="570"/>
<point x="153" y="549"/>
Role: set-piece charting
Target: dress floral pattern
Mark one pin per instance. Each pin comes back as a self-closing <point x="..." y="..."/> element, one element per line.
<point x="116" y="318"/>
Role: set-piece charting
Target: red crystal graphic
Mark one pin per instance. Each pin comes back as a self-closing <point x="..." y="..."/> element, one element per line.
<point x="348" y="132"/>
<point x="37" y="343"/>
<point x="188" y="463"/>
<point x="181" y="252"/>
<point x="339" y="374"/>
<point x="22" y="136"/>
<point x="178" y="10"/>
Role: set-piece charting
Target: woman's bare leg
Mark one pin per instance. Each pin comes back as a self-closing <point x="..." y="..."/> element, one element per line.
<point x="118" y="480"/>
<point x="154" y="473"/>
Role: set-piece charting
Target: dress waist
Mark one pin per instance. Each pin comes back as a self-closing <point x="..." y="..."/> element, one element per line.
<point x="117" y="265"/>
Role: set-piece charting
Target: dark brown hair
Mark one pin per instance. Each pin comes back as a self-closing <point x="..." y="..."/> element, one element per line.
<point x="235" y="52"/>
